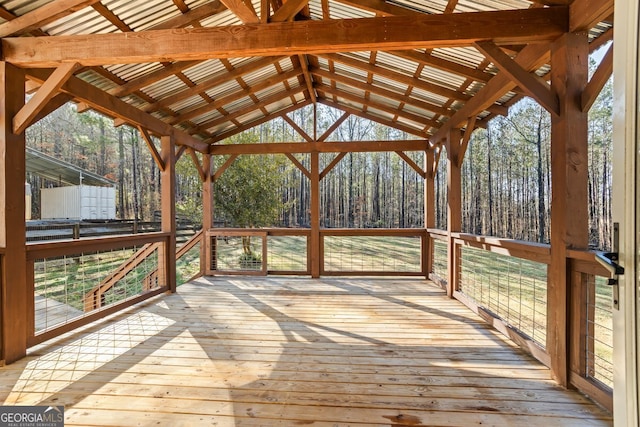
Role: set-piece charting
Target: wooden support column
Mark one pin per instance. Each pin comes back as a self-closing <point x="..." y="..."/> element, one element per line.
<point x="17" y="295"/>
<point x="168" y="207"/>
<point x="207" y="211"/>
<point x="429" y="209"/>
<point x="569" y="174"/>
<point x="315" y="215"/>
<point x="454" y="205"/>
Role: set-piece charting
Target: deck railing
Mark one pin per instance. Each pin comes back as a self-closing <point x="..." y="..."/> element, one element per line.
<point x="371" y="252"/>
<point x="505" y="282"/>
<point x="78" y="281"/>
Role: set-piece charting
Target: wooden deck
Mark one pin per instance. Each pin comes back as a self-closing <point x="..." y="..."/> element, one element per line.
<point x="293" y="351"/>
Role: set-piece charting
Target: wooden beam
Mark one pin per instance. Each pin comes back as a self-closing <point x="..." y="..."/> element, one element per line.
<point x="320" y="147"/>
<point x="112" y="106"/>
<point x="315" y="240"/>
<point x="585" y="14"/>
<point x="569" y="179"/>
<point x="333" y="164"/>
<point x="386" y="93"/>
<point x="333" y="127"/>
<point x="298" y="37"/>
<point x="278" y="96"/>
<point x="168" y="210"/>
<point x="288" y="10"/>
<point x="598" y="80"/>
<point x="454" y="206"/>
<point x="180" y="151"/>
<point x="530" y="83"/>
<point x="16" y="294"/>
<point x="297" y="128"/>
<point x="207" y="211"/>
<point x="442" y="64"/>
<point x="374" y="118"/>
<point x="212" y="82"/>
<point x="247" y="126"/>
<point x="380" y="7"/>
<point x="148" y="79"/>
<point x="416" y="118"/>
<point x="222" y="101"/>
<point x="56" y="102"/>
<point x="411" y="163"/>
<point x="471" y="126"/>
<point x="307" y="77"/>
<point x="43" y="15"/>
<point x="196" y="163"/>
<point x="530" y="58"/>
<point x="299" y="165"/>
<point x="225" y="165"/>
<point x="46" y="92"/>
<point x="429" y="207"/>
<point x="242" y="11"/>
<point x="152" y="148"/>
<point x="397" y="76"/>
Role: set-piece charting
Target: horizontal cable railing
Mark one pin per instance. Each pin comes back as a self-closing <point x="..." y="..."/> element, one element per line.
<point x="78" y="281"/>
<point x="439" y="261"/>
<point x="372" y="251"/>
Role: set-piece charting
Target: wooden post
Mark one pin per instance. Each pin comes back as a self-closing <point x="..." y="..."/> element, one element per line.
<point x="207" y="212"/>
<point x="569" y="172"/>
<point x="15" y="297"/>
<point x="454" y="206"/>
<point x="315" y="215"/>
<point x="168" y="208"/>
<point x="429" y="208"/>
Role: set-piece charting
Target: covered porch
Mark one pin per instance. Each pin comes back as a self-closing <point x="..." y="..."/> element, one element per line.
<point x="236" y="351"/>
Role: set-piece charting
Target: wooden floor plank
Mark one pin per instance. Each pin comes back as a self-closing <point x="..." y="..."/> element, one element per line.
<point x="290" y="351"/>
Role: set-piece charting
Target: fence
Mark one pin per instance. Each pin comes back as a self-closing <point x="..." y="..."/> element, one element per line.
<point x="78" y="281"/>
<point x="505" y="282"/>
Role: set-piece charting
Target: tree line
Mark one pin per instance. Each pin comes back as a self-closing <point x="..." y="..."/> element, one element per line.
<point x="506" y="182"/>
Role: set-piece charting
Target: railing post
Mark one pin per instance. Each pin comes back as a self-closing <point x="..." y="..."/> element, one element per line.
<point x="207" y="213"/>
<point x="454" y="206"/>
<point x="316" y="258"/>
<point x="429" y="210"/>
<point x="168" y="205"/>
<point x="569" y="172"/>
<point x="15" y="295"/>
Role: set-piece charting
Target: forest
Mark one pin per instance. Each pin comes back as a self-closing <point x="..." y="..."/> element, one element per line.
<point x="506" y="174"/>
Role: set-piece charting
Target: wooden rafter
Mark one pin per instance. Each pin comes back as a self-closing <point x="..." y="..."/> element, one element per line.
<point x="377" y="105"/>
<point x="442" y="64"/>
<point x="379" y="7"/>
<point x="598" y="80"/>
<point x="530" y="83"/>
<point x="397" y="76"/>
<point x="373" y="118"/>
<point x="114" y="107"/>
<point x="307" y="77"/>
<point x="288" y="10"/>
<point x="42" y="16"/>
<point x="427" y="106"/>
<point x="242" y="10"/>
<point x="302" y="37"/>
<point x="299" y="165"/>
<point x="212" y="82"/>
<point x="180" y="151"/>
<point x="152" y="148"/>
<point x="254" y="123"/>
<point x="585" y="14"/>
<point x="46" y="92"/>
<point x="148" y="79"/>
<point x="221" y="102"/>
<point x="241" y="112"/>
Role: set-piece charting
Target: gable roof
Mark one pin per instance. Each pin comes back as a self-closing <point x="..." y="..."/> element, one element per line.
<point x="211" y="69"/>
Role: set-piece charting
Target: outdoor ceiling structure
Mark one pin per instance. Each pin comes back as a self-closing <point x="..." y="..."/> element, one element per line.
<point x="204" y="70"/>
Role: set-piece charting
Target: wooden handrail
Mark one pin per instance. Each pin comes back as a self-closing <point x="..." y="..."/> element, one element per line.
<point x="71" y="247"/>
